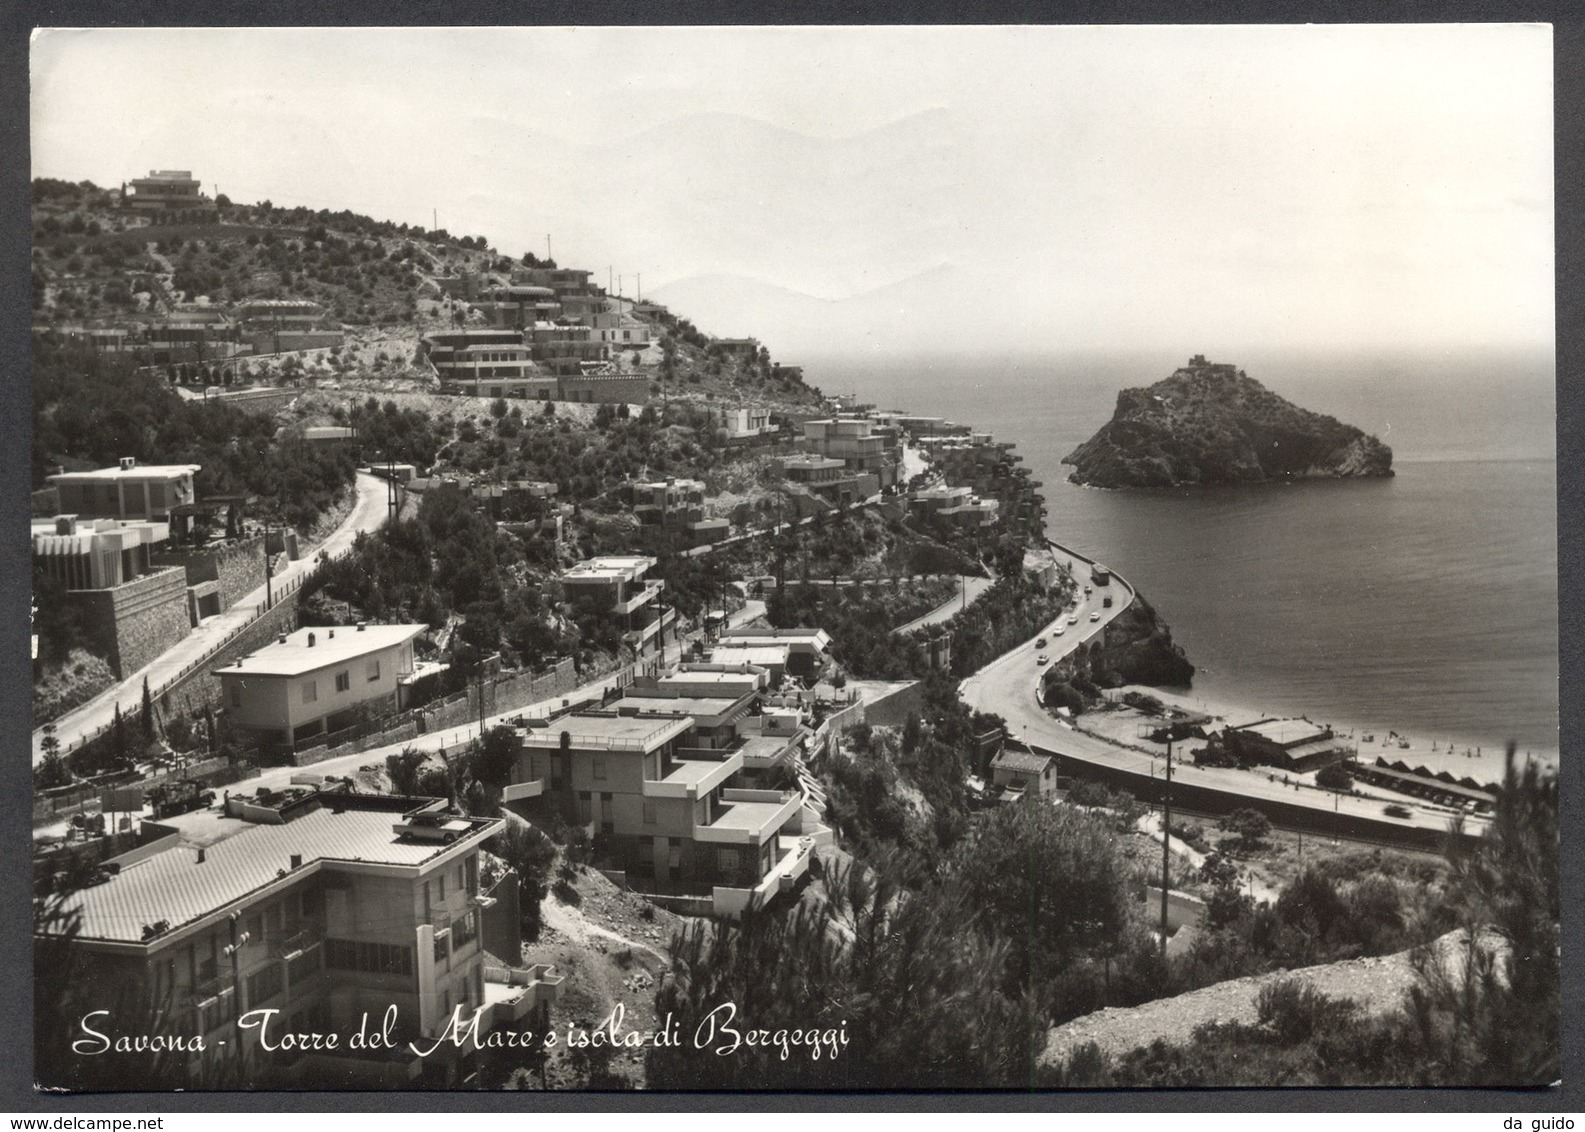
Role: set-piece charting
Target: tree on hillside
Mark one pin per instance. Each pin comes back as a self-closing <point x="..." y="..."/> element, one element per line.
<point x="1249" y="826"/>
<point x="1493" y="1017"/>
<point x="1052" y="882"/>
<point x="903" y="974"/>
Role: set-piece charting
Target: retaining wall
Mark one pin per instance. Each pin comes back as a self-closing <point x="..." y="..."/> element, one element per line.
<point x="140" y="620"/>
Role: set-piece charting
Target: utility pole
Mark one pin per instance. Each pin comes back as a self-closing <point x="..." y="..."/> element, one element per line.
<point x="269" y="597"/>
<point x="234" y="951"/>
<point x="1166" y="841"/>
<point x="434" y="220"/>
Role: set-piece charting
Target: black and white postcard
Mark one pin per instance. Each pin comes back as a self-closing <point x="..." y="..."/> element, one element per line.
<point x="794" y="558"/>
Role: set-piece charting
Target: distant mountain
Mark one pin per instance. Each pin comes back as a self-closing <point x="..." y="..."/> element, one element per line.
<point x="1211" y="423"/>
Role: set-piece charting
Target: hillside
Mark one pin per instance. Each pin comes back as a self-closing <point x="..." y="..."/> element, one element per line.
<point x="1212" y="424"/>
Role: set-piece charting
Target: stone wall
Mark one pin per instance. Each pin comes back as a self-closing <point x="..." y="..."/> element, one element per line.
<point x="236" y="567"/>
<point x="138" y="621"/>
<point x="502" y="694"/>
<point x="893" y="710"/>
<point x="197" y="688"/>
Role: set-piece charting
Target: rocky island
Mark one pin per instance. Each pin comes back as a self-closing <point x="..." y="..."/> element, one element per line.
<point x="1210" y="423"/>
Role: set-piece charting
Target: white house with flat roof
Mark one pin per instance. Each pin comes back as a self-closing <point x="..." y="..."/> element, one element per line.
<point x="318" y="680"/>
<point x="130" y="491"/>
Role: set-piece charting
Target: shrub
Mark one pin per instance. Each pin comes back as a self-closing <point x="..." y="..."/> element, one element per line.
<point x="566" y="893"/>
<point x="1294" y="1011"/>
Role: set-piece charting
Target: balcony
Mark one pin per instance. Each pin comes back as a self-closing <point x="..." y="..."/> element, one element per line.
<point x="642" y="598"/>
<point x="794" y="862"/>
<point x="510" y="993"/>
<point x="694" y="777"/>
<point x="517" y="791"/>
<point x="287" y="946"/>
<point x="749" y="817"/>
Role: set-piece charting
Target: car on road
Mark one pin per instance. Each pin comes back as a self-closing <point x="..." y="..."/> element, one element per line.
<point x="1041" y="643"/>
<point x="1395" y="811"/>
<point x="1058" y="631"/>
<point x="1042" y="659"/>
<point x="1095" y="617"/>
<point x="1073" y="619"/>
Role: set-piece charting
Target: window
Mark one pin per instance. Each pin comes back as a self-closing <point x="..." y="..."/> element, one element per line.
<point x="313" y="902"/>
<point x="465" y="930"/>
<point x="599" y="770"/>
<point x="254" y="926"/>
<point x="343" y="681"/>
<point x="236" y="694"/>
<point x="374" y="670"/>
<point x="442" y="882"/>
<point x="649" y="813"/>
<point x="310" y="691"/>
<point x="374" y="958"/>
<point x="265" y="984"/>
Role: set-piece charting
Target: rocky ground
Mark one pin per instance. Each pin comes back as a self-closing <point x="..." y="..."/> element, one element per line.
<point x="1376" y="985"/>
<point x="612" y="947"/>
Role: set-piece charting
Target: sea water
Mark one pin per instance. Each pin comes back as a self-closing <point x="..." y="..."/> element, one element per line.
<point x="1427" y="602"/>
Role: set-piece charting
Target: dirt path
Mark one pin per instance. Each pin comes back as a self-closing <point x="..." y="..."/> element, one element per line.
<point x="1377" y="985"/>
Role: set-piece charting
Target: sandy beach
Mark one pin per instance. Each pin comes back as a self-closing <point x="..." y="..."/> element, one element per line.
<point x="1480" y="761"/>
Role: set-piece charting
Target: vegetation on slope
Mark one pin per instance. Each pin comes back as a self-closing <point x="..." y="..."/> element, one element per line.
<point x="1210" y="424"/>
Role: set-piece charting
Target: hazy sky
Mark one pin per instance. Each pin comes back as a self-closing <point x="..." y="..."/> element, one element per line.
<point x="897" y="189"/>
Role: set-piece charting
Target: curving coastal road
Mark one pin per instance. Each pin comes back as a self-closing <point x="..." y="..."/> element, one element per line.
<point x="1007" y="686"/>
<point x="85" y="720"/>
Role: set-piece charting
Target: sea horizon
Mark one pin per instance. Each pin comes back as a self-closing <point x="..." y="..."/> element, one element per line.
<point x="1425" y="603"/>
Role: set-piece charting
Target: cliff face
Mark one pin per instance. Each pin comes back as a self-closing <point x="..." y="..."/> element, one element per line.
<point x="1136" y="647"/>
<point x="1212" y="424"/>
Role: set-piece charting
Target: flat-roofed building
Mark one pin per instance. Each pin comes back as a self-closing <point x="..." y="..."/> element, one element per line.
<point x="518" y="306"/>
<point x="130" y="491"/>
<point x="317" y="681"/>
<point x="1293" y="744"/>
<point x="807" y="649"/>
<point x="746" y="423"/>
<point x="342" y="908"/>
<point x="167" y="190"/>
<point x="617" y="586"/>
<point x="279" y="314"/>
<point x="96" y="554"/>
<point x="136" y="607"/>
<point x="670" y="502"/>
<point x="672" y="823"/>
<point x="487" y="363"/>
<point x="954" y="507"/>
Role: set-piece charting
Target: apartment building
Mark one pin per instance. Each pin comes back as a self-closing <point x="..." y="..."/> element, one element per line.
<point x="332" y="908"/>
<point x="487" y="363"/>
<point x="617" y="586"/>
<point x="668" y="503"/>
<point x="518" y="306"/>
<point x="317" y="681"/>
<point x="956" y="508"/>
<point x="665" y="812"/>
<point x="855" y="442"/>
